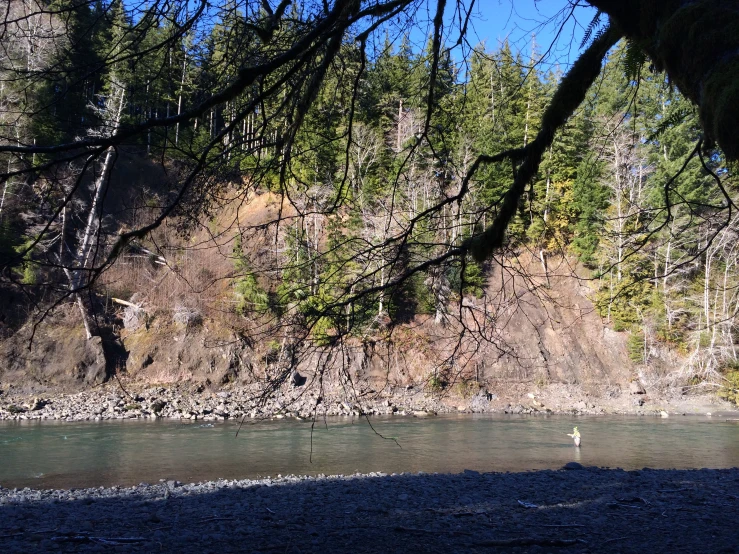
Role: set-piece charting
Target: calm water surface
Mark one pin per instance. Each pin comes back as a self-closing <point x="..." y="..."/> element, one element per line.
<point x="55" y="455"/>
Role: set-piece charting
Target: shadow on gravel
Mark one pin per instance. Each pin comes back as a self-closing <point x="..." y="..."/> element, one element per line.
<point x="584" y="510"/>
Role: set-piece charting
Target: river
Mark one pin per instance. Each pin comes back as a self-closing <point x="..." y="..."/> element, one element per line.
<point x="75" y="455"/>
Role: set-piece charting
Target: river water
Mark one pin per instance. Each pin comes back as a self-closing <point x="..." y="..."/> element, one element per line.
<point x="67" y="455"/>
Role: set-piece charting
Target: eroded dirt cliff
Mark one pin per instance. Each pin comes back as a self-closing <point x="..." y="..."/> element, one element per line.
<point x="541" y="329"/>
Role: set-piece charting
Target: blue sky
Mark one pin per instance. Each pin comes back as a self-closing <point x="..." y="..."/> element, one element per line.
<point x="519" y="19"/>
<point x="558" y="30"/>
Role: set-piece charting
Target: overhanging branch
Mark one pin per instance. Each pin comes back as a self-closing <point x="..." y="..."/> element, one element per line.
<point x="569" y="95"/>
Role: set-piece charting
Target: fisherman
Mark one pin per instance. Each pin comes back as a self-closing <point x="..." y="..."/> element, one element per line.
<point x="576" y="436"/>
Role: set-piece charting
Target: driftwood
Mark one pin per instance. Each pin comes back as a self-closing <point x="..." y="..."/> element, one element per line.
<point x="153" y="256"/>
<point x="634" y="499"/>
<point x="429" y="531"/>
<point x="622" y="505"/>
<point x="125" y="303"/>
<point x="614" y="540"/>
<point x="216" y="518"/>
<point x="109" y="541"/>
<point x="530" y="541"/>
<point x="564" y="525"/>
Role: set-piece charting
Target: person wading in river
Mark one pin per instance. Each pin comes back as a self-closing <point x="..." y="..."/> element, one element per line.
<point x="576" y="436"/>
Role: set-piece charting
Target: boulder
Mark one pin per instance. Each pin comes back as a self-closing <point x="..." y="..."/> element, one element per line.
<point x="91" y="368"/>
<point x="297" y="379"/>
<point x="635" y="387"/>
<point x="157" y="406"/>
<point x="36" y="404"/>
<point x="59" y="355"/>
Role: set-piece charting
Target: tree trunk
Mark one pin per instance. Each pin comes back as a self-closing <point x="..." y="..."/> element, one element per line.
<point x="92" y="227"/>
<point x="5" y="191"/>
<point x="549" y="183"/>
<point x="179" y="100"/>
<point x="543" y="260"/>
<point x="148" y="132"/>
<point x="85" y="315"/>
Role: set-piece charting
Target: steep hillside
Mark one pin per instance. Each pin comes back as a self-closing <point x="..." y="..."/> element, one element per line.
<point x="538" y="334"/>
<point x="168" y="315"/>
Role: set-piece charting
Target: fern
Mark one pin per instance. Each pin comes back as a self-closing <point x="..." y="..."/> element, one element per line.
<point x="594" y="24"/>
<point x="634" y="59"/>
<point x="672" y="120"/>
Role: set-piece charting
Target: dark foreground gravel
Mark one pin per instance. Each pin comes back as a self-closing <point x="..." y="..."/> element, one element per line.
<point x="570" y="511"/>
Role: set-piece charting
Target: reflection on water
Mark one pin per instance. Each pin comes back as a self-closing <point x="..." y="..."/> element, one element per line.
<point x="53" y="455"/>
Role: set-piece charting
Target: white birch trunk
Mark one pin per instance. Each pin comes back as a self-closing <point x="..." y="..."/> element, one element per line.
<point x="92" y="227"/>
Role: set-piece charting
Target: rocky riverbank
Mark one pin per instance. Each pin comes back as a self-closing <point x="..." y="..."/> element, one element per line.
<point x="197" y="402"/>
<point x="582" y="509"/>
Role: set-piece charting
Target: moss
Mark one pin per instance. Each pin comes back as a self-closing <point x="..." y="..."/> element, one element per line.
<point x="720" y="107"/>
<point x="692" y="45"/>
<point x="695" y="37"/>
<point x="686" y="39"/>
<point x="695" y="43"/>
<point x="650" y="14"/>
<point x="30" y="276"/>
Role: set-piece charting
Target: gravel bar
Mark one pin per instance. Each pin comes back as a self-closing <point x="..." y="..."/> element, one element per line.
<point x="575" y="509"/>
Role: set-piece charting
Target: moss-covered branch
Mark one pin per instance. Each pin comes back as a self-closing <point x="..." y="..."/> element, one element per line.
<point x="697" y="43"/>
<point x="569" y="95"/>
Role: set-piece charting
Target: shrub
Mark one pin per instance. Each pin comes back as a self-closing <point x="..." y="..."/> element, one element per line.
<point x="187" y="316"/>
<point x="29" y="270"/>
<point x="635" y="346"/>
<point x="467" y="388"/>
<point x="436" y="383"/>
<point x="250" y="297"/>
<point x="730" y="388"/>
<point x="273" y="352"/>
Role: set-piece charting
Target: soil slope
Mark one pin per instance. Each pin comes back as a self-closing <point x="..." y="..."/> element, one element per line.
<point x="543" y="334"/>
